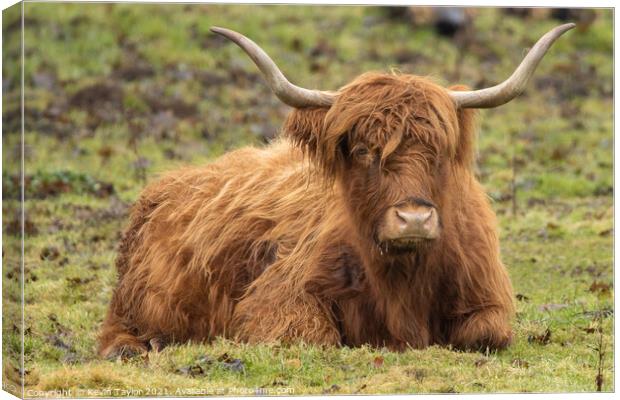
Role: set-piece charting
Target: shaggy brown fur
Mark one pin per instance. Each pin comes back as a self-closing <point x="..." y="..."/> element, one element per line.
<point x="280" y="243"/>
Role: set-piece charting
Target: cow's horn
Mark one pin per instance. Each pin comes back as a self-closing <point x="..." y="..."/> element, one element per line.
<point x="513" y="86"/>
<point x="290" y="94"/>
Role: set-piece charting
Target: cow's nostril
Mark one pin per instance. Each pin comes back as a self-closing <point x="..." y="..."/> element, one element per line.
<point x="428" y="215"/>
<point x="402" y="217"/>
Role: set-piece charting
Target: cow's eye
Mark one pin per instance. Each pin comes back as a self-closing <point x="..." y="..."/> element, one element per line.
<point x="422" y="121"/>
<point x="360" y="152"/>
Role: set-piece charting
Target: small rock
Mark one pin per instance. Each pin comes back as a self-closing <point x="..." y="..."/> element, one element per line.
<point x="235" y="365"/>
<point x="552" y="307"/>
<point x="191" y="370"/>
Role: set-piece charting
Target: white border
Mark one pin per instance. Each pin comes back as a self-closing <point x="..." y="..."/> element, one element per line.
<point x="480" y="3"/>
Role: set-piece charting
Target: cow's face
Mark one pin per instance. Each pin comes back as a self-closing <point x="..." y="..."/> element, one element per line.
<point x="394" y="195"/>
<point x="390" y="142"/>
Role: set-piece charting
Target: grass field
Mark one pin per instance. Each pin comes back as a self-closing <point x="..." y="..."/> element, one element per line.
<point x="116" y="94"/>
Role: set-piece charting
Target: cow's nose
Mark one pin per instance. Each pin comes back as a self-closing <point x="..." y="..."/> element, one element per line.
<point x="414" y="218"/>
<point x="417" y="222"/>
<point x="410" y="222"/>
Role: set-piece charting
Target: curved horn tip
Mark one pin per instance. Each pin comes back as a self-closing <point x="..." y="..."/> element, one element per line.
<point x="515" y="84"/>
<point x="224" y="32"/>
<point x="288" y="93"/>
<point x="568" y="26"/>
<point x="560" y="30"/>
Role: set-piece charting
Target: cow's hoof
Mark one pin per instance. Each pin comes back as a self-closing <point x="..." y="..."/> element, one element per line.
<point x="157" y="344"/>
<point x="126" y="352"/>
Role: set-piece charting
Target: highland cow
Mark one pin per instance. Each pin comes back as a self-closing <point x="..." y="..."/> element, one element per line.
<point x="363" y="224"/>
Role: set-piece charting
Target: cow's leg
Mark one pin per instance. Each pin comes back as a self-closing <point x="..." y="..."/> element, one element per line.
<point x="294" y="301"/>
<point x="115" y="340"/>
<point x="274" y="314"/>
<point x="482" y="309"/>
<point x="306" y="323"/>
<point x="478" y="297"/>
<point x="487" y="328"/>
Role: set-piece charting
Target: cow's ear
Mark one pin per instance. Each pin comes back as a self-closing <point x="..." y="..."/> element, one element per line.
<point x="305" y="128"/>
<point x="466" y="141"/>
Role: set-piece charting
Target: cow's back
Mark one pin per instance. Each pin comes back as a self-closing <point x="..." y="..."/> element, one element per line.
<point x="199" y="236"/>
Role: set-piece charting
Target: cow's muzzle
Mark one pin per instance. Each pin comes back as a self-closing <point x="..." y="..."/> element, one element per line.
<point x="409" y="223"/>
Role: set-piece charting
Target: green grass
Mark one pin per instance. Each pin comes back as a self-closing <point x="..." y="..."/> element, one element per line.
<point x="173" y="94"/>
